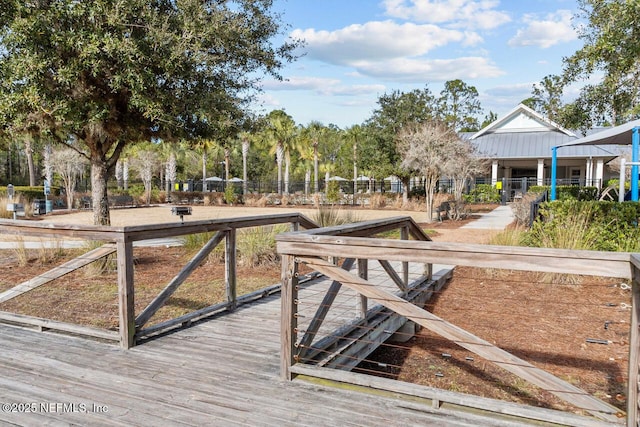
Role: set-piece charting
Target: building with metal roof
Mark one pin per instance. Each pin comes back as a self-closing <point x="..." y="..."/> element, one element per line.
<point x="519" y="146"/>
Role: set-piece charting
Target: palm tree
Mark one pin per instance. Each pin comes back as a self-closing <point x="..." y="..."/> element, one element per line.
<point x="280" y="134"/>
<point x="314" y="132"/>
<point x="245" y="137"/>
<point x="354" y="134"/>
<point x="204" y="146"/>
<point x="307" y="154"/>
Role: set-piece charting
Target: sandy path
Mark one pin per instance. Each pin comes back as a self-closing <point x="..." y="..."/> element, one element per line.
<point x="162" y="214"/>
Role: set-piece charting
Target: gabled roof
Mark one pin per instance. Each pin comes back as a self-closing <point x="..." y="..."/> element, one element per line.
<point x="534" y="145"/>
<point x="520" y="120"/>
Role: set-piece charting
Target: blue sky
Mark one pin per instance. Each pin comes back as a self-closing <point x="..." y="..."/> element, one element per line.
<point x="357" y="50"/>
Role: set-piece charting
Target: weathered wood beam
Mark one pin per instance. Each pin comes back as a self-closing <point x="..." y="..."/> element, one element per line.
<point x="461" y="337"/>
<point x="386" y="265"/>
<point x="634" y="346"/>
<point x="289" y="319"/>
<point x="178" y="280"/>
<point x="404" y="235"/>
<point x="54" y="325"/>
<point x="230" y="267"/>
<point x="321" y="312"/>
<point x="594" y="263"/>
<point x="126" y="293"/>
<point x="57" y="272"/>
<point x="148" y="231"/>
<point x="444" y="399"/>
<point x="363" y="273"/>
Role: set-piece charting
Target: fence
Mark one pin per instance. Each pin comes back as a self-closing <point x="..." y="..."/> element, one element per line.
<point x="119" y="242"/>
<point x="609" y="307"/>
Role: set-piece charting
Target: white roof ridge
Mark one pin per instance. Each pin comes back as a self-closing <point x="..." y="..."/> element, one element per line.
<point x="521" y="108"/>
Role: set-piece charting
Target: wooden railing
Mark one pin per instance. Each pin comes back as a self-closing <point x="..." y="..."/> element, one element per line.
<point x="120" y="240"/>
<point x="317" y="248"/>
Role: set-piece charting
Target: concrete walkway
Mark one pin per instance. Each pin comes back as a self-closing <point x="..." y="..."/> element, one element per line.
<point x="497" y="219"/>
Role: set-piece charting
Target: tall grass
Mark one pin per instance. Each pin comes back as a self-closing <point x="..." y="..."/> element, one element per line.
<point x="573" y="231"/>
<point x="508" y="237"/>
<point x="329" y="216"/>
<point x="99" y="266"/>
<point x="255" y="245"/>
<point x="20" y="252"/>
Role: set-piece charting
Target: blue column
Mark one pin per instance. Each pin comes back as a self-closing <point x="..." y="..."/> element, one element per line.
<point x="554" y="165"/>
<point x="635" y="145"/>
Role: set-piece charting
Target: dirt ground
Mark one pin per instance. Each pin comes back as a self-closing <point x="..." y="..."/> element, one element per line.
<point x="575" y="328"/>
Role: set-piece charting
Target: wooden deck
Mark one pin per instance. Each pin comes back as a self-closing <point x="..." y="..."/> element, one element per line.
<point x="224" y="371"/>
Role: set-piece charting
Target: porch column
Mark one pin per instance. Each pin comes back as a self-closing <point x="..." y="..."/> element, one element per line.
<point x="540" y="176"/>
<point x="494" y="172"/>
<point x="589" y="172"/>
<point x="599" y="172"/>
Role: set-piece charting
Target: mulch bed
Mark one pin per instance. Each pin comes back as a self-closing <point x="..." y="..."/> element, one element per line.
<point x="539" y="318"/>
<point x="87" y="298"/>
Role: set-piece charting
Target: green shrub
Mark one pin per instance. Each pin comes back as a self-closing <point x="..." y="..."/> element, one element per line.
<point x="333" y="191"/>
<point x="418" y="191"/>
<point x="230" y="196"/>
<point x="30" y="193"/>
<point x="483" y="193"/>
<point x="569" y="192"/>
<point x="573" y="224"/>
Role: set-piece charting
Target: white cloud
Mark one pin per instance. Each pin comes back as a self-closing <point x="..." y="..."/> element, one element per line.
<point x="555" y="28"/>
<point x="353" y="90"/>
<point x="517" y="89"/>
<point x="480" y="14"/>
<point x="322" y="86"/>
<point x="378" y="40"/>
<point x="300" y="83"/>
<point x="417" y="71"/>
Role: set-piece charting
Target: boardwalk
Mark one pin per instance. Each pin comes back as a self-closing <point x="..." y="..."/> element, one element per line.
<point x="224" y="371"/>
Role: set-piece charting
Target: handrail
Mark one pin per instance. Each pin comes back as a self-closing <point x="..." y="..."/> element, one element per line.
<point x="149" y="231"/>
<point x="368" y="228"/>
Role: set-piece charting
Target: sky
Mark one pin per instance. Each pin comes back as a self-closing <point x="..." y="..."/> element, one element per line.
<point x="358" y="50"/>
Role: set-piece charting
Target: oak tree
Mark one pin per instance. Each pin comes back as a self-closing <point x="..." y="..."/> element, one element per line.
<point x="107" y="73"/>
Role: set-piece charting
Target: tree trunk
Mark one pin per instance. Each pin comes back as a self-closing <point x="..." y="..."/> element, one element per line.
<point x="287" y="165"/>
<point x="28" y="149"/>
<point x="279" y="156"/>
<point x="227" y="160"/>
<point x="430" y="189"/>
<point x="316" y="186"/>
<point x="307" y="178"/>
<point x="99" y="192"/>
<point x="204" y="171"/>
<point x="405" y="189"/>
<point x="245" y="153"/>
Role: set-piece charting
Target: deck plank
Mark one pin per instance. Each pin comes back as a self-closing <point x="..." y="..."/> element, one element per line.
<point x="223" y="371"/>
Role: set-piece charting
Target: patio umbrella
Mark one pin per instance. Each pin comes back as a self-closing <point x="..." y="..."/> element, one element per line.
<point x="213" y="179"/>
<point x="337" y="178"/>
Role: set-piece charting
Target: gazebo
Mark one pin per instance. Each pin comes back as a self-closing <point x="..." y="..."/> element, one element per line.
<point x="628" y="133"/>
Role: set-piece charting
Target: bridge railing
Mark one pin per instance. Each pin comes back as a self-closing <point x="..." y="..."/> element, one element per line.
<point x="119" y="241"/>
<point x="317" y="249"/>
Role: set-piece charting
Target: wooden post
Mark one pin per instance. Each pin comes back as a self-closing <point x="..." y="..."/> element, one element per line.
<point x="289" y="311"/>
<point x="230" y="268"/>
<point x="363" y="273"/>
<point x="404" y="235"/>
<point x="124" y="251"/>
<point x="634" y="349"/>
